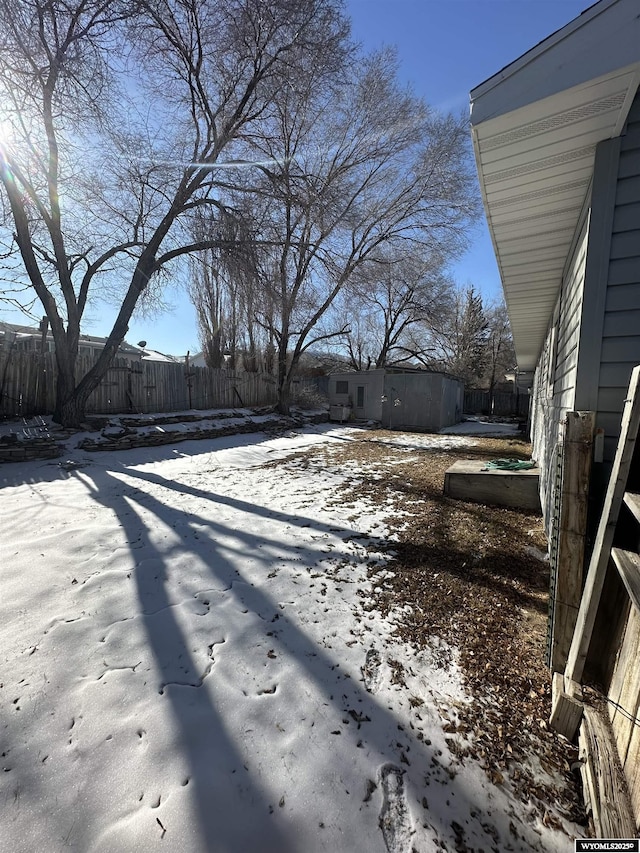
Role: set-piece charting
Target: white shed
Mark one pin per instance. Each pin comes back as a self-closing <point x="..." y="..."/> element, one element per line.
<point x="419" y="400"/>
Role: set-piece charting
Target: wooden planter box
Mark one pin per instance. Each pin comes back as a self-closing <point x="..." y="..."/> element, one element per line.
<point x="466" y="481"/>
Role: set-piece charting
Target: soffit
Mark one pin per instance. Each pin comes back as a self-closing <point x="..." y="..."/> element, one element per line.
<point x="535" y="126"/>
<point x="535" y="166"/>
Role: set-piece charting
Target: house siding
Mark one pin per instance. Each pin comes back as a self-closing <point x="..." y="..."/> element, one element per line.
<point x="621" y="324"/>
<point x="593" y="338"/>
<point x="597" y="344"/>
<point x="620" y="352"/>
<point x="555" y="376"/>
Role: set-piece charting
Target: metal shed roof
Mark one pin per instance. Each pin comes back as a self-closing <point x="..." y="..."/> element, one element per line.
<point x="535" y="126"/>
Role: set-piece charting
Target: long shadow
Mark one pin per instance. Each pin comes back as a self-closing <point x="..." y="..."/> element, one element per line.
<point x="498" y="570"/>
<point x="486" y="573"/>
<point x="214" y="763"/>
<point x="169" y="644"/>
<point x="236" y="503"/>
<point x="36" y="471"/>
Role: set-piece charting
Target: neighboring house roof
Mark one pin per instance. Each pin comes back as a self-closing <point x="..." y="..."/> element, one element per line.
<point x="535" y="126"/>
<point x="154" y="355"/>
<point x="19" y="330"/>
<point x="100" y="342"/>
<point x="24" y="332"/>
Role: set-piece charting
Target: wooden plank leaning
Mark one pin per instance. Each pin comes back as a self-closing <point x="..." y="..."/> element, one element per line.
<point x="604" y="538"/>
<point x="604" y="787"/>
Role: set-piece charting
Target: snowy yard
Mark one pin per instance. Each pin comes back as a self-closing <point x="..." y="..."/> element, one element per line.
<point x="190" y="662"/>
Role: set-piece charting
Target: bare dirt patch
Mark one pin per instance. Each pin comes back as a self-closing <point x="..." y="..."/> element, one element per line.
<point x="468" y="574"/>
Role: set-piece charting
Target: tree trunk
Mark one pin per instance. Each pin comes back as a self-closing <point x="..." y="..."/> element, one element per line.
<point x="283" y="405"/>
<point x="284" y="376"/>
<point x="65" y="388"/>
<point x="70" y="412"/>
<point x="71" y="399"/>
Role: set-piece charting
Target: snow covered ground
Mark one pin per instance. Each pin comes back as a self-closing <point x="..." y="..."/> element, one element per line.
<point x="477" y="426"/>
<point x="188" y="664"/>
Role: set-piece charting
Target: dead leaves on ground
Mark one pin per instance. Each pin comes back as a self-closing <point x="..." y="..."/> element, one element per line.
<point x="465" y="572"/>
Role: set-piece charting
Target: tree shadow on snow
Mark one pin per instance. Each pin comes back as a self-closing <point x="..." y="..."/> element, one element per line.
<point x="218" y="761"/>
<point x="215" y="761"/>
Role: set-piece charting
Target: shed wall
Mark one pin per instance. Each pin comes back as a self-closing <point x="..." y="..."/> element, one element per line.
<point x="372" y="382"/>
<point x="452" y="402"/>
<point x="421" y="401"/>
<point x="412" y="401"/>
<point x="418" y="401"/>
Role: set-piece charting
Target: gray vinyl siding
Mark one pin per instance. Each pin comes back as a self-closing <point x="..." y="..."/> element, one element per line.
<point x="621" y="324"/>
<point x="555" y="378"/>
<point x="619" y="354"/>
<point x="593" y="341"/>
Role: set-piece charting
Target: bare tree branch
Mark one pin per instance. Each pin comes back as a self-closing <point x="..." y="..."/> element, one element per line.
<point x="89" y="181"/>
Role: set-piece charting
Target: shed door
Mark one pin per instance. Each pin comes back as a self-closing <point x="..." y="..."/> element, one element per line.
<point x="359" y="396"/>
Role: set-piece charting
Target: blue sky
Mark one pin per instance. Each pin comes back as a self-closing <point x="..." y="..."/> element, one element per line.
<point x="445" y="48"/>
<point x="448" y="47"/>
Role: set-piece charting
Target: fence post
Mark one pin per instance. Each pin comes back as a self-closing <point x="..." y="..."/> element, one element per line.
<point x="569" y="568"/>
<point x="188" y="376"/>
<point x="41" y="396"/>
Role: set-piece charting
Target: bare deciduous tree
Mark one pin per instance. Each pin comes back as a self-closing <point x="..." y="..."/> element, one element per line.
<point x="501" y="356"/>
<point x="387" y="300"/>
<point x="225" y="290"/>
<point x="351" y="166"/>
<point x="116" y="120"/>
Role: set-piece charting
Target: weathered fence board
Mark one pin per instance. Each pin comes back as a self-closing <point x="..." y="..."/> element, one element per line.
<point x="503" y="404"/>
<point x="27" y="386"/>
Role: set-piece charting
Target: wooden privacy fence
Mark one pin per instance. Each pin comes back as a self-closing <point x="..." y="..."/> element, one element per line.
<point x="504" y="404"/>
<point x="27" y="386"/>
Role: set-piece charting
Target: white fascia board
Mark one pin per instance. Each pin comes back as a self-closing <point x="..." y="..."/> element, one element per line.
<point x="604" y="38"/>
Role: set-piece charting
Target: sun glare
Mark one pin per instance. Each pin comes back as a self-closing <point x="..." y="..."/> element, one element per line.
<point x="6" y="133"/>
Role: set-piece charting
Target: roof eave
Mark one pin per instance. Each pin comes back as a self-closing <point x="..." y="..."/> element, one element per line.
<point x="534" y="153"/>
